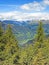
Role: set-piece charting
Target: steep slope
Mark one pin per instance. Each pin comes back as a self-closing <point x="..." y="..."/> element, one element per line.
<point x="24" y="31"/>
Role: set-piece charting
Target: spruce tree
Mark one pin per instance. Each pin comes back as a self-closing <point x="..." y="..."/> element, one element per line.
<point x="40" y="32"/>
<point x="40" y="48"/>
<point x="40" y="35"/>
<point x="1" y="32"/>
<point x="2" y="45"/>
<point x="11" y="47"/>
<point x="1" y="37"/>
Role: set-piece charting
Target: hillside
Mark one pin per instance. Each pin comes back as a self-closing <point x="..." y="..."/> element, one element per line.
<point x="24" y="31"/>
<point x="33" y="52"/>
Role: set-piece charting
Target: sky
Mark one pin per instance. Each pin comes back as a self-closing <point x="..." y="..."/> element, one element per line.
<point x="22" y="10"/>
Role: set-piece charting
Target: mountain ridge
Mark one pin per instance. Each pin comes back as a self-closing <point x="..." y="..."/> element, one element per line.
<point x="24" y="31"/>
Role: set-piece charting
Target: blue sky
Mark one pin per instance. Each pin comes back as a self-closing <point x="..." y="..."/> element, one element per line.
<point x="10" y="5"/>
<point x="24" y="9"/>
<point x="16" y="2"/>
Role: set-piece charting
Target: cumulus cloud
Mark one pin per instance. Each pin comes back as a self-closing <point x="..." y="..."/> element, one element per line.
<point x="19" y="16"/>
<point x="36" y="6"/>
<point x="33" y="6"/>
<point x="23" y="16"/>
<point x="46" y="2"/>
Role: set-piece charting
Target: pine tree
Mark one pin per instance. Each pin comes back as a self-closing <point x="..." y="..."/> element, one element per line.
<point x="2" y="45"/>
<point x="1" y="32"/>
<point x="1" y="37"/>
<point x="40" y="33"/>
<point x="40" y="48"/>
<point x="11" y="47"/>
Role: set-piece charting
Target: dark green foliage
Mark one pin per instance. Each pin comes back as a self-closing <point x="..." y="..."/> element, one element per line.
<point x="1" y="30"/>
<point x="1" y="33"/>
<point x="40" y="32"/>
<point x="33" y="54"/>
<point x="8" y="45"/>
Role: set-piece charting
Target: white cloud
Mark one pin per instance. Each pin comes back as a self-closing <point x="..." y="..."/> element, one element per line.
<point x="46" y="2"/>
<point x="19" y="16"/>
<point x="36" y="6"/>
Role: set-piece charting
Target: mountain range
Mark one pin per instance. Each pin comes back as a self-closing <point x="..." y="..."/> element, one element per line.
<point x="25" y="31"/>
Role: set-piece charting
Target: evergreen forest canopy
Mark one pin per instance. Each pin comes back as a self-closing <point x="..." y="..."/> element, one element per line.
<point x="11" y="53"/>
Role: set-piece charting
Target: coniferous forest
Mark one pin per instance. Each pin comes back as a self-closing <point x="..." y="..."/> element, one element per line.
<point x="11" y="53"/>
